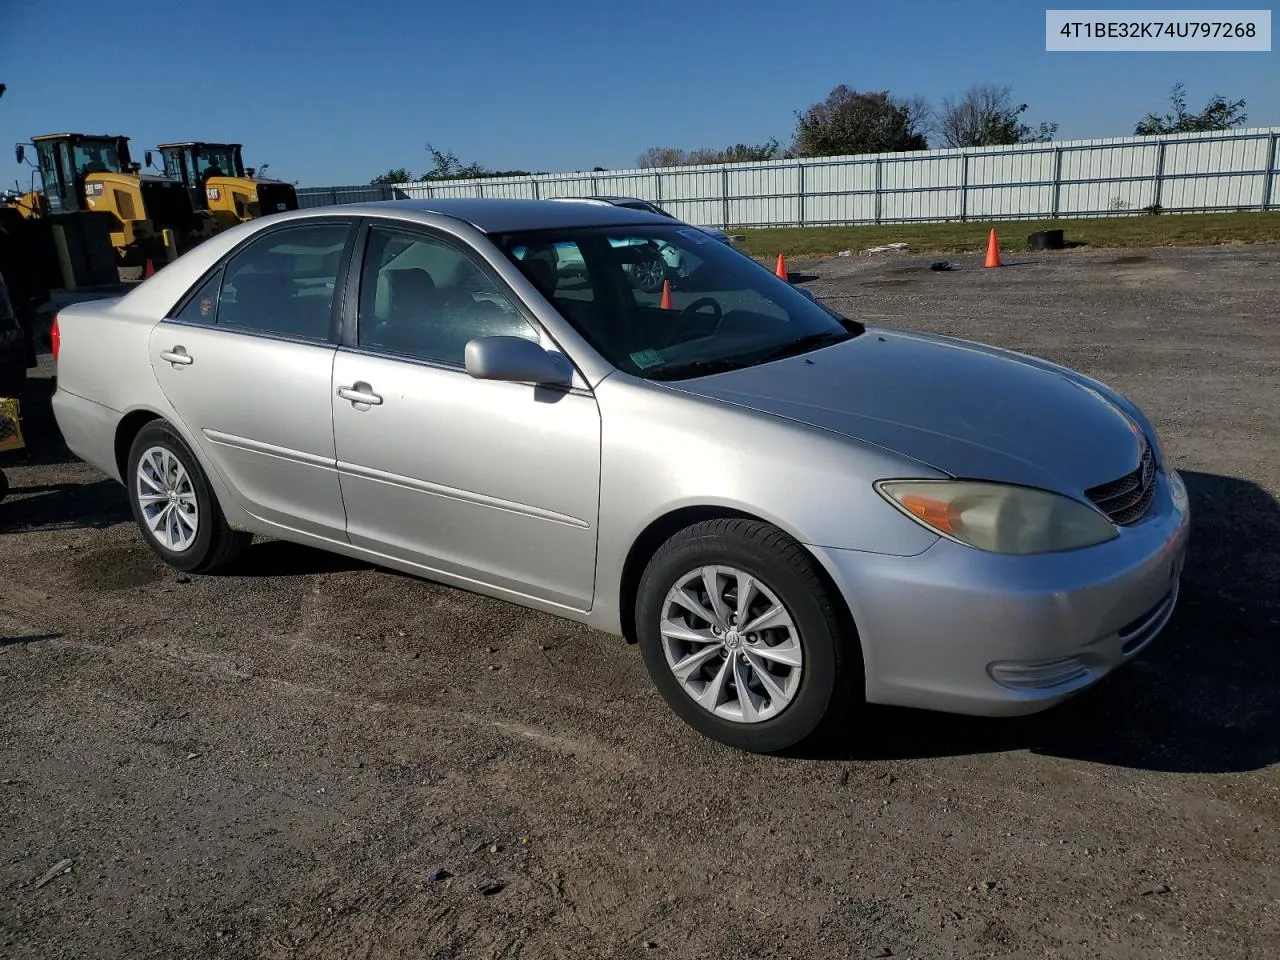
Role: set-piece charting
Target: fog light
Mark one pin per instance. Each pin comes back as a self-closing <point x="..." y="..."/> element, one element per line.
<point x="1037" y="674"/>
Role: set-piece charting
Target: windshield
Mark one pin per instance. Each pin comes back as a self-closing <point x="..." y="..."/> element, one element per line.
<point x="725" y="310"/>
<point x="97" y="156"/>
<point x="216" y="162"/>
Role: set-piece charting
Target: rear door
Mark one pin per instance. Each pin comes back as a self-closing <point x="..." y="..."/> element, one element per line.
<point x="247" y="362"/>
<point x="494" y="483"/>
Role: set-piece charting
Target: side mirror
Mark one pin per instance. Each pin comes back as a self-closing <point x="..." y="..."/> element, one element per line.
<point x="20" y="153"/>
<point x="515" y="359"/>
<point x="805" y="292"/>
<point x="146" y="158"/>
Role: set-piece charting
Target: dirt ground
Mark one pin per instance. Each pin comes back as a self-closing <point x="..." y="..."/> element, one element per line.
<point x="315" y="759"/>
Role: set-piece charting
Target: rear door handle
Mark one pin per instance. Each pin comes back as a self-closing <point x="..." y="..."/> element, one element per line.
<point x="360" y="392"/>
<point x="177" y="355"/>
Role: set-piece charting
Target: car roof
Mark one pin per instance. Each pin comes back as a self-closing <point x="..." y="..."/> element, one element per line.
<point x="500" y="215"/>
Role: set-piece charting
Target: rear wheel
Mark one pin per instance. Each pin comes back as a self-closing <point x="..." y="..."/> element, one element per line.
<point x="742" y="636"/>
<point x="174" y="506"/>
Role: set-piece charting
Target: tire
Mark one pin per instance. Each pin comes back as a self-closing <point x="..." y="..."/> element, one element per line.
<point x="192" y="506"/>
<point x="784" y="574"/>
<point x="4" y="485"/>
<point x="650" y="274"/>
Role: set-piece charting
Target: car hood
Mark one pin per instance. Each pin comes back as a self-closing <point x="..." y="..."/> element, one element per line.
<point x="967" y="410"/>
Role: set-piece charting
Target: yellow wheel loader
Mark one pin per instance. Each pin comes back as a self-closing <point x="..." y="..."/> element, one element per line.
<point x="95" y="174"/>
<point x="217" y="181"/>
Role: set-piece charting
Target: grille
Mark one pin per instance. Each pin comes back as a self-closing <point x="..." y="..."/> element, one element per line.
<point x="168" y="205"/>
<point x="1126" y="501"/>
<point x="275" y="197"/>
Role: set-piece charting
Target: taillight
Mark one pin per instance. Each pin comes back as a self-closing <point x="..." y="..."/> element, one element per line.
<point x="55" y="338"/>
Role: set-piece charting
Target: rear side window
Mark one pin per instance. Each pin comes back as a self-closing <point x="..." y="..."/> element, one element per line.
<point x="203" y="305"/>
<point x="284" y="283"/>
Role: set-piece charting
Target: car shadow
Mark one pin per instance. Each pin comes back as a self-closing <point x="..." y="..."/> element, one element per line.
<point x="1203" y="698"/>
<point x="280" y="558"/>
<point x="28" y="638"/>
<point x="64" y="506"/>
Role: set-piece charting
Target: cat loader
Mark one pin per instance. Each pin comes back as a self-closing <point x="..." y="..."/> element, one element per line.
<point x="217" y="181"/>
<point x="83" y="173"/>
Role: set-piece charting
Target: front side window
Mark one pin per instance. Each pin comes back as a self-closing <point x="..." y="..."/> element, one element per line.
<point x="423" y="299"/>
<point x="725" y="310"/>
<point x="283" y="283"/>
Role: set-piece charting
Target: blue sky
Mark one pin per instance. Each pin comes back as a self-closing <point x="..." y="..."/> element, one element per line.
<point x="334" y="93"/>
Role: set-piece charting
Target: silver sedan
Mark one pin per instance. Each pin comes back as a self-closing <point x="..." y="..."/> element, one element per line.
<point x="789" y="511"/>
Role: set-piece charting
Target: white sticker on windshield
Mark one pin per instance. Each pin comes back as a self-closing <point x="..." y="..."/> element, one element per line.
<point x="694" y="234"/>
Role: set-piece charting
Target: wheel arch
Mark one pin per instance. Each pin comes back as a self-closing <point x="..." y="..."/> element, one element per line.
<point x="660" y="530"/>
<point x="127" y="429"/>
<point x="131" y="425"/>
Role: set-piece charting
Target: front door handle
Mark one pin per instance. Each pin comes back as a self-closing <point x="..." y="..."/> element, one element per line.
<point x="178" y="355"/>
<point x="360" y="392"/>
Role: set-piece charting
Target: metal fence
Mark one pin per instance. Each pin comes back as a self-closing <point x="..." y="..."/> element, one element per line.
<point x="1180" y="173"/>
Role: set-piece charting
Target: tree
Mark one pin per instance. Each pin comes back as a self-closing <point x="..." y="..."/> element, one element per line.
<point x="394" y="175"/>
<point x="738" y="153"/>
<point x="447" y="166"/>
<point x="663" y="157"/>
<point x="986" y="117"/>
<point x="1218" y="114"/>
<point x="851" y="122"/>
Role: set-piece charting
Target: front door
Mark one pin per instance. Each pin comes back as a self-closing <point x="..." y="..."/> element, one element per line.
<point x="488" y="482"/>
<point x="247" y="363"/>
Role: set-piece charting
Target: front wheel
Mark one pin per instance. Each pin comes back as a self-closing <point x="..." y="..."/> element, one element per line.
<point x="650" y="273"/>
<point x="174" y="505"/>
<point x="742" y="635"/>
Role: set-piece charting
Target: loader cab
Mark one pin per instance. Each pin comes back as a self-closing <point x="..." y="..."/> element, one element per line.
<point x="196" y="163"/>
<point x="217" y="181"/>
<point x="66" y="161"/>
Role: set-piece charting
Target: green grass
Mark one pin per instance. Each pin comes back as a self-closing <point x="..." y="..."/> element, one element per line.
<point x="1169" y="229"/>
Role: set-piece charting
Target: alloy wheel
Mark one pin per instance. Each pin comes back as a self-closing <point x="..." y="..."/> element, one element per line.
<point x="167" y="498"/>
<point x="731" y="643"/>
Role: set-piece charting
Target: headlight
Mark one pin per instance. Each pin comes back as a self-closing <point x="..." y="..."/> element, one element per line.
<point x="999" y="517"/>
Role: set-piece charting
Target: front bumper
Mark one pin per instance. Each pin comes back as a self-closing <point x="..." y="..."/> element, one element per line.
<point x="965" y="631"/>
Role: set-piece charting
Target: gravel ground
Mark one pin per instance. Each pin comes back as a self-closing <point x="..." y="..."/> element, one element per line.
<point x="313" y="758"/>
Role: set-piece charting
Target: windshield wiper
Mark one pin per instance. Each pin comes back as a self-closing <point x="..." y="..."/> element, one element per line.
<point x="719" y="365"/>
<point x="810" y="341"/>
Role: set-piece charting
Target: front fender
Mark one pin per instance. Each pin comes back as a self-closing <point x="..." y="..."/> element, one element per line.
<point x="664" y="450"/>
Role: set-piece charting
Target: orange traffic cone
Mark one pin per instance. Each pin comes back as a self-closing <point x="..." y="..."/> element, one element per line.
<point x="149" y="270"/>
<point x="666" y="295"/>
<point x="993" y="250"/>
<point x="781" y="268"/>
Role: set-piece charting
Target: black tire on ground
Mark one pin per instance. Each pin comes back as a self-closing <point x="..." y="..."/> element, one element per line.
<point x="655" y="271"/>
<point x="1046" y="240"/>
<point x="831" y="679"/>
<point x="216" y="544"/>
<point x="4" y="485"/>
